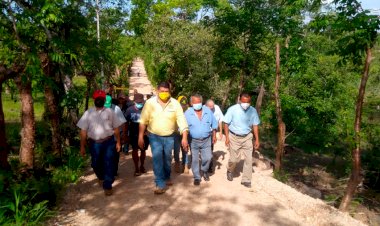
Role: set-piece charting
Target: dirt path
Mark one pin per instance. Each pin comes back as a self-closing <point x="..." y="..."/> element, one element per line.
<point x="217" y="202"/>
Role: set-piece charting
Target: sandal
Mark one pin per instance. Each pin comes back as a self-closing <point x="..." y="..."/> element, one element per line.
<point x="137" y="173"/>
<point x="159" y="191"/>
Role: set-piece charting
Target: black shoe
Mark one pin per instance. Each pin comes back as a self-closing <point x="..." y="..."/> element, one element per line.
<point x="210" y="168"/>
<point x="197" y="182"/>
<point x="205" y="176"/>
<point x="246" y="184"/>
<point x="230" y="177"/>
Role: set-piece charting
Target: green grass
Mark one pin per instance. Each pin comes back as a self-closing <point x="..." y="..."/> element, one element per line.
<point x="12" y="107"/>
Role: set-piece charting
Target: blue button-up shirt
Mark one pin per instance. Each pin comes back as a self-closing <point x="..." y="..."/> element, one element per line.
<point x="240" y="121"/>
<point x="200" y="128"/>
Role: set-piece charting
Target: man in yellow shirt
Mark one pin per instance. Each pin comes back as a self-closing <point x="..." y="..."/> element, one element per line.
<point x="160" y="116"/>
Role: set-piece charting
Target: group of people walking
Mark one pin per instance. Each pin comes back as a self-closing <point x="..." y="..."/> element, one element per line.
<point x="167" y="125"/>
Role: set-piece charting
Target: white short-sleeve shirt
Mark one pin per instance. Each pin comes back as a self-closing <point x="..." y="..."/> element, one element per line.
<point x="99" y="124"/>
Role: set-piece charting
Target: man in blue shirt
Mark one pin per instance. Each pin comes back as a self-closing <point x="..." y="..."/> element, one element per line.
<point x="240" y="121"/>
<point x="202" y="125"/>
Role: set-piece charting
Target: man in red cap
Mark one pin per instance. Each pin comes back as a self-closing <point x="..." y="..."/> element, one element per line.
<point x="101" y="126"/>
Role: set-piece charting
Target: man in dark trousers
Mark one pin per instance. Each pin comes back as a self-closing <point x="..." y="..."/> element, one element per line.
<point x="132" y="115"/>
<point x="101" y="126"/>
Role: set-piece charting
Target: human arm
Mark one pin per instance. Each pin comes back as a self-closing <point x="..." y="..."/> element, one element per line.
<point x="256" y="135"/>
<point x="184" y="141"/>
<point x="226" y="133"/>
<point x="142" y="128"/>
<point x="83" y="141"/>
<point x="117" y="136"/>
<point x="213" y="136"/>
<point x="220" y="130"/>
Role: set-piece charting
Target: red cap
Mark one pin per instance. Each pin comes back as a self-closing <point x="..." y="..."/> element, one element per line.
<point x="99" y="94"/>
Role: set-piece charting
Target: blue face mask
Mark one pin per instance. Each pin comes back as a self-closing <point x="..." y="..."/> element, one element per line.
<point x="139" y="105"/>
<point x="197" y="107"/>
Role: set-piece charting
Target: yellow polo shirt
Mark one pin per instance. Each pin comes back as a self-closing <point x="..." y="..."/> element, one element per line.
<point x="162" y="121"/>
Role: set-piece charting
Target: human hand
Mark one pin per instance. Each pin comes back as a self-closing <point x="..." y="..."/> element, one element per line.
<point x="214" y="139"/>
<point x="185" y="145"/>
<point x="227" y="142"/>
<point x="257" y="145"/>
<point x="141" y="143"/>
<point x="118" y="146"/>
<point x="83" y="151"/>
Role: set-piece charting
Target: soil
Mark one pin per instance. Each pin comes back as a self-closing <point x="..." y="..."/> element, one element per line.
<point x="216" y="202"/>
<point x="321" y="175"/>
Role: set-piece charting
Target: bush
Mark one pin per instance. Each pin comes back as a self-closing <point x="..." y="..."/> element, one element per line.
<point x="27" y="197"/>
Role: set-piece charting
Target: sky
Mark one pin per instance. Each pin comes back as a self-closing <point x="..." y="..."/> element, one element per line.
<point x="372" y="5"/>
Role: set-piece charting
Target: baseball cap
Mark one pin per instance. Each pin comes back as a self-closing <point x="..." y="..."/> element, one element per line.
<point x="108" y="102"/>
<point x="138" y="98"/>
<point x="99" y="94"/>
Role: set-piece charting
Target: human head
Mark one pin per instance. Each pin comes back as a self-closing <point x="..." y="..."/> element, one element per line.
<point x="122" y="98"/>
<point x="184" y="102"/>
<point x="139" y="100"/>
<point x="163" y="90"/>
<point x="196" y="102"/>
<point x="99" y="97"/>
<point x="245" y="98"/>
<point x="210" y="104"/>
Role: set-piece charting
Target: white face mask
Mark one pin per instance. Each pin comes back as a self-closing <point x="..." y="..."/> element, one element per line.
<point x="245" y="106"/>
<point x="197" y="107"/>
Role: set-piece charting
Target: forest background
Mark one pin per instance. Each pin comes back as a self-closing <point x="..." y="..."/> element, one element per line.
<point x="317" y="66"/>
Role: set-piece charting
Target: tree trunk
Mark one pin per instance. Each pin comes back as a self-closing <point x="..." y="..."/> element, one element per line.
<point x="27" y="121"/>
<point x="90" y="79"/>
<point x="356" y="177"/>
<point x="51" y="104"/>
<point x="68" y="85"/>
<point x="4" y="147"/>
<point x="241" y="85"/>
<point x="51" y="110"/>
<point x="281" y="124"/>
<point x="226" y="94"/>
<point x="259" y="100"/>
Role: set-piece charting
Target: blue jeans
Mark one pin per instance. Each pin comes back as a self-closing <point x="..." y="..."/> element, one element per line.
<point x="103" y="161"/>
<point x="204" y="148"/>
<point x="177" y="147"/>
<point x="162" y="147"/>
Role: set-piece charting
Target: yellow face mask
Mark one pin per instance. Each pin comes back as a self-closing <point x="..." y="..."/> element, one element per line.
<point x="164" y="96"/>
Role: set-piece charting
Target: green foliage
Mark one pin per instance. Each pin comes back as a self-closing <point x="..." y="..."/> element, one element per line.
<point x="27" y="198"/>
<point x="281" y="175"/>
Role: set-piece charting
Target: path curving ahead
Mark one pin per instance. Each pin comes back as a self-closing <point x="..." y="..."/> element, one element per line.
<point x="217" y="202"/>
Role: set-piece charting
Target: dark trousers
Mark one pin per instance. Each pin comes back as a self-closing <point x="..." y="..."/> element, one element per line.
<point x="103" y="161"/>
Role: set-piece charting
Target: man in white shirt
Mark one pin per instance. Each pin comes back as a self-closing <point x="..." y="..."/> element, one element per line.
<point x="218" y="114"/>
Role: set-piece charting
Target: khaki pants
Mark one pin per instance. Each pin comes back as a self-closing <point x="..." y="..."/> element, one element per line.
<point x="239" y="146"/>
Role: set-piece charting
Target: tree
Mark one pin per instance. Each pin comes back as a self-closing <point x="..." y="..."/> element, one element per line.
<point x="356" y="32"/>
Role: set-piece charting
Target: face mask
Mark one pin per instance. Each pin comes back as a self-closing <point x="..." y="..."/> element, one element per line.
<point x="164" y="96"/>
<point x="99" y="103"/>
<point x="139" y="105"/>
<point x="245" y="106"/>
<point x="197" y="107"/>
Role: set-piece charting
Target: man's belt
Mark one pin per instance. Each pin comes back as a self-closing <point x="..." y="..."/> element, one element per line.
<point x="101" y="140"/>
<point x="239" y="135"/>
<point x="201" y="139"/>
